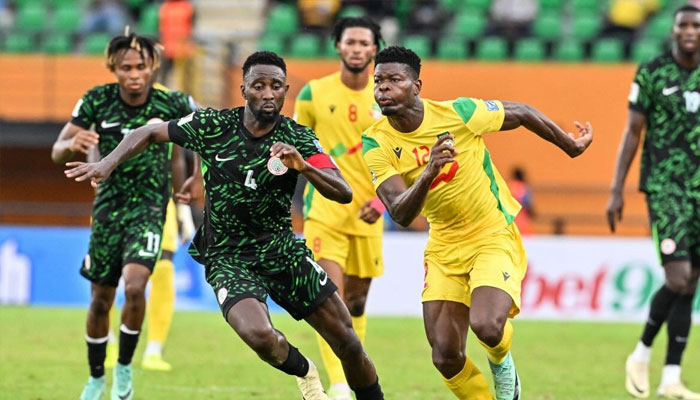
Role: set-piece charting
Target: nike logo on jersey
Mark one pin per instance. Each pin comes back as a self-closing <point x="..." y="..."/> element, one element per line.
<point x="107" y="125"/>
<point x="667" y="91"/>
<point x="398" y="151"/>
<point x="505" y="276"/>
<point x="221" y="159"/>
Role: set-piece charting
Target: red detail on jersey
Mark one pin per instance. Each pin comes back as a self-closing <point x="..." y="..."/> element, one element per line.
<point x="321" y="161"/>
<point x="377" y="205"/>
<point x="355" y="149"/>
<point x="445" y="176"/>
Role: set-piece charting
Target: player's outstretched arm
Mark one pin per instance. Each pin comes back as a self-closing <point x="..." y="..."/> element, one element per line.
<point x="73" y="139"/>
<point x="404" y="204"/>
<point x="132" y="144"/>
<point x="628" y="148"/>
<point x="328" y="181"/>
<point x="518" y="114"/>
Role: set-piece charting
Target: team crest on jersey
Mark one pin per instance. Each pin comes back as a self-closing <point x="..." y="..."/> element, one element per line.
<point x="491" y="105"/>
<point x="276" y="166"/>
<point x="668" y="246"/>
<point x="221" y="295"/>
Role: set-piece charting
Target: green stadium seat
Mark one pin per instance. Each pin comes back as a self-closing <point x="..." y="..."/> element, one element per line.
<point x="468" y="25"/>
<point x="96" y="43"/>
<point x="148" y="22"/>
<point x="66" y="3"/>
<point x="271" y="43"/>
<point x="551" y="5"/>
<point x="585" y="6"/>
<point x="659" y="27"/>
<point x="491" y="49"/>
<point x="330" y="51"/>
<point x="569" y="51"/>
<point x="451" y="5"/>
<point x="547" y="25"/>
<point x="67" y="19"/>
<point x="480" y="5"/>
<point x="282" y="20"/>
<point x="31" y="18"/>
<point x="351" y="11"/>
<point x="305" y="46"/>
<point x="419" y="44"/>
<point x="20" y="4"/>
<point x="529" y="50"/>
<point x="56" y="44"/>
<point x="451" y="49"/>
<point x="19" y="43"/>
<point x="585" y="26"/>
<point x="607" y="51"/>
<point x="644" y="50"/>
<point x="134" y="4"/>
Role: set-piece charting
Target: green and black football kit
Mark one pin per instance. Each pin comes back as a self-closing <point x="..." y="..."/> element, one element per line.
<point x="669" y="96"/>
<point x="129" y="207"/>
<point x="246" y="241"/>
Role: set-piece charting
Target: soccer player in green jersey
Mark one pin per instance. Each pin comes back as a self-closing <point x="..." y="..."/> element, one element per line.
<point x="251" y="159"/>
<point x="664" y="99"/>
<point x="129" y="209"/>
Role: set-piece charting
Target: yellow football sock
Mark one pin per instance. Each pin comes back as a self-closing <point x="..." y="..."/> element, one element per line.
<point x="161" y="302"/>
<point x="500" y="352"/>
<point x="359" y="324"/>
<point x="469" y="383"/>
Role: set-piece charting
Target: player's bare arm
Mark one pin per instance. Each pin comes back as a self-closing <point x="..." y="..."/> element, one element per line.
<point x="132" y="144"/>
<point x="518" y="114"/>
<point x="73" y="139"/>
<point x="404" y="204"/>
<point x="628" y="148"/>
<point x="329" y="182"/>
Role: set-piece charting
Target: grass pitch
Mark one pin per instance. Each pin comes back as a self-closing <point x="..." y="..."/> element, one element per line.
<point x="43" y="356"/>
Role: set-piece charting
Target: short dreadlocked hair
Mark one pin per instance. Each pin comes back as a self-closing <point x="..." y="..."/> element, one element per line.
<point x="147" y="47"/>
<point x="357" y="22"/>
<point x="264" y="58"/>
<point x="401" y="55"/>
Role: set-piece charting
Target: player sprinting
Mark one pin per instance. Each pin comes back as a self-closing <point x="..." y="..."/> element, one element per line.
<point x="665" y="98"/>
<point x="251" y="159"/>
<point x="346" y="239"/>
<point x="129" y="209"/>
<point x="429" y="156"/>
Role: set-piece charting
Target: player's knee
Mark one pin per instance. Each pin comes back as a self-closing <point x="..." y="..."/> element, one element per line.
<point x="449" y="360"/>
<point x="347" y="345"/>
<point x="489" y="329"/>
<point x="100" y="305"/>
<point x="356" y="305"/>
<point x="261" y="339"/>
<point x="134" y="292"/>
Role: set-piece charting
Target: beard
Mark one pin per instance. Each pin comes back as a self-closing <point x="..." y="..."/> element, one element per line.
<point x="356" y="70"/>
<point x="265" y="116"/>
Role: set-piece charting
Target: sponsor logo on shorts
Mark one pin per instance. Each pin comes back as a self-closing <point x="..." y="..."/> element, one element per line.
<point x="87" y="262"/>
<point x="668" y="246"/>
<point x="221" y="295"/>
<point x="324" y="275"/>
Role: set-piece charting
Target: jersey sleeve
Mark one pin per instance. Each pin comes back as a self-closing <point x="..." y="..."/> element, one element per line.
<point x="303" y="107"/>
<point x="480" y="116"/>
<point x="83" y="114"/>
<point x="310" y="148"/>
<point x="639" y="98"/>
<point x="379" y="163"/>
<point x="191" y="130"/>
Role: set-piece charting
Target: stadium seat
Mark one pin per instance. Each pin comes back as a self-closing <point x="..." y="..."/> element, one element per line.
<point x="96" y="43"/>
<point x="607" y="51"/>
<point x="135" y="4"/>
<point x="547" y="25"/>
<point x="529" y="50"/>
<point x="468" y="25"/>
<point x="148" y="22"/>
<point x="585" y="6"/>
<point x="66" y="3"/>
<point x="19" y="43"/>
<point x="271" y="43"/>
<point x="419" y="44"/>
<point x="451" y="5"/>
<point x="659" y="27"/>
<point x="569" y="51"/>
<point x="551" y="5"/>
<point x="451" y="49"/>
<point x="644" y="50"/>
<point x="56" y="44"/>
<point x="585" y="26"/>
<point x="351" y="11"/>
<point x="329" y="49"/>
<point x="491" y="49"/>
<point x="305" y="46"/>
<point x="31" y="18"/>
<point x="66" y="19"/>
<point x="282" y="20"/>
<point x="480" y="5"/>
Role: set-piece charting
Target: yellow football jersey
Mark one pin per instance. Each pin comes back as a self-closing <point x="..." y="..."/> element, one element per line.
<point x="469" y="197"/>
<point x="339" y="115"/>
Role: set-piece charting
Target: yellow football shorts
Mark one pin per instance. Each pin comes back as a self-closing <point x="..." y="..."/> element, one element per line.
<point x="453" y="271"/>
<point x="359" y="256"/>
<point x="170" y="229"/>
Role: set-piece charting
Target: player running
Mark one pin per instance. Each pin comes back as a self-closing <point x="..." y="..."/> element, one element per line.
<point x="429" y="156"/>
<point x="129" y="209"/>
<point x="346" y="239"/>
<point x="252" y="157"/>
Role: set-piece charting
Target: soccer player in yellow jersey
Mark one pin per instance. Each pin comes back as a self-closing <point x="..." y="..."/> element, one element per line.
<point x="346" y="238"/>
<point x="429" y="156"/>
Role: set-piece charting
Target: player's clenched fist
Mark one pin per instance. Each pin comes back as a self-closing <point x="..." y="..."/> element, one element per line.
<point x="443" y="152"/>
<point x="97" y="172"/>
<point x="83" y="141"/>
<point x="289" y="156"/>
<point x="582" y="142"/>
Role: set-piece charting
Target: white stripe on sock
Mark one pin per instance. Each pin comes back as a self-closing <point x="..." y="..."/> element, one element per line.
<point x="96" y="340"/>
<point x="128" y="331"/>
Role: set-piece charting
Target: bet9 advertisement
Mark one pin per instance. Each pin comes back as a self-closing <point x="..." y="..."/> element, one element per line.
<point x="568" y="278"/>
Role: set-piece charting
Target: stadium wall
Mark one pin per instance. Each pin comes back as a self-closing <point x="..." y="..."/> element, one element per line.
<point x="568" y="278"/>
